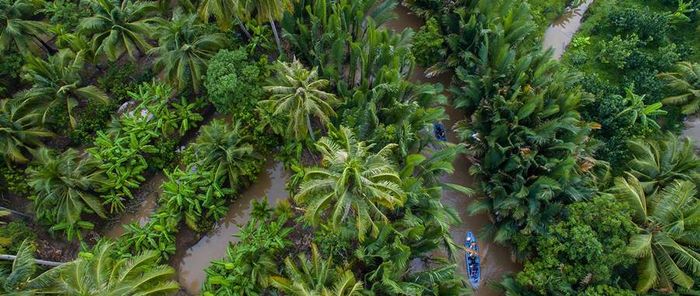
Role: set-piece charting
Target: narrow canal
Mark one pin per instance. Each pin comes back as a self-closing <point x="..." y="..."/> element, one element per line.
<point x="496" y="259"/>
<point x="191" y="262"/>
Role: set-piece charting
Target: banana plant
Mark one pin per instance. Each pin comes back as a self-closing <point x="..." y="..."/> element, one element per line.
<point x="122" y="159"/>
<point x="196" y="193"/>
<point x="158" y="234"/>
<point x="73" y="230"/>
<point x="186" y="115"/>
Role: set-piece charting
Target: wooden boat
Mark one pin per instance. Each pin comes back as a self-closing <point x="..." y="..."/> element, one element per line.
<point x="472" y="260"/>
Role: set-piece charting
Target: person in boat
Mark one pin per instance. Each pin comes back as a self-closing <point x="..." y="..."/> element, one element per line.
<point x="439" y="131"/>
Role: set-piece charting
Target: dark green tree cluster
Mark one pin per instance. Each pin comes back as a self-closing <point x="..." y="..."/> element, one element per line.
<point x="634" y="47"/>
<point x="575" y="229"/>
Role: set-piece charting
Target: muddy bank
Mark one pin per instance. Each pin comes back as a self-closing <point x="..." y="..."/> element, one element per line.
<point x="560" y="33"/>
<point x="191" y="259"/>
<point x="496" y="259"/>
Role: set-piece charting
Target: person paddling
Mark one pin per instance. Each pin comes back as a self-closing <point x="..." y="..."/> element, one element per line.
<point x="472" y="247"/>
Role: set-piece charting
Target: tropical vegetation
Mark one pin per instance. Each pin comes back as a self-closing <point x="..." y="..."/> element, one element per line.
<point x="367" y="135"/>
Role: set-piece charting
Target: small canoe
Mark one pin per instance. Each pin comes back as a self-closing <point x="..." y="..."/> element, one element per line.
<point x="472" y="260"/>
<point x="439" y="130"/>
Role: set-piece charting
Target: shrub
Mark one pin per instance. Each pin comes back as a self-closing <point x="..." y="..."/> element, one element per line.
<point x="249" y="263"/>
<point x="425" y="8"/>
<point x="66" y="13"/>
<point x="119" y="80"/>
<point x="580" y="250"/>
<point x="647" y="25"/>
<point x="14" y="179"/>
<point x="234" y="82"/>
<point x="616" y="51"/>
<point x="91" y="118"/>
<point x="428" y="44"/>
<point x="10" y="64"/>
<point x="12" y="234"/>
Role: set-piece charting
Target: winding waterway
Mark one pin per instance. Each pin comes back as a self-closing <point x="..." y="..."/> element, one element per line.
<point x="191" y="262"/>
<point x="496" y="259"/>
<point x="195" y="254"/>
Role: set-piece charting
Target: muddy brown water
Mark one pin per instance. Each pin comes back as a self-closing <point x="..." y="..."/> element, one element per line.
<point x="190" y="264"/>
<point x="692" y="131"/>
<point x="141" y="208"/>
<point x="560" y="33"/>
<point x="496" y="259"/>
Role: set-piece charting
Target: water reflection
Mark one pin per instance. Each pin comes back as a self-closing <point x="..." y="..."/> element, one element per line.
<point x="561" y="32"/>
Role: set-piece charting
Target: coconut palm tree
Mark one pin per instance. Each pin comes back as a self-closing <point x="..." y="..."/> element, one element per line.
<point x="22" y="279"/>
<point x="264" y="10"/>
<point x="184" y="49"/>
<point x="57" y="83"/>
<point x="98" y="273"/>
<point x="669" y="223"/>
<point x="17" y="29"/>
<point x="225" y="150"/>
<point x="316" y="277"/>
<point x="299" y="92"/>
<point x="353" y="183"/>
<point x="65" y="188"/>
<point x="223" y="11"/>
<point x="19" y="132"/>
<point x="659" y="162"/>
<point x="119" y="27"/>
<point x="685" y="83"/>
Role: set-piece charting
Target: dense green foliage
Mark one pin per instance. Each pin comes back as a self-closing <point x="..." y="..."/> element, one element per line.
<point x="66" y="187"/>
<point x="578" y="166"/>
<point x="250" y="263"/>
<point x="98" y="273"/>
<point x="533" y="154"/>
<point x="589" y="243"/>
<point x="629" y="44"/>
<point x="233" y="83"/>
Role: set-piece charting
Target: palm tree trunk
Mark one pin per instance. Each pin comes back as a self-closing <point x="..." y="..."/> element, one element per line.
<point x="311" y="131"/>
<point x="277" y="37"/>
<point x="243" y="28"/>
<point x="16" y="213"/>
<point x="47" y="47"/>
<point x="37" y="261"/>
